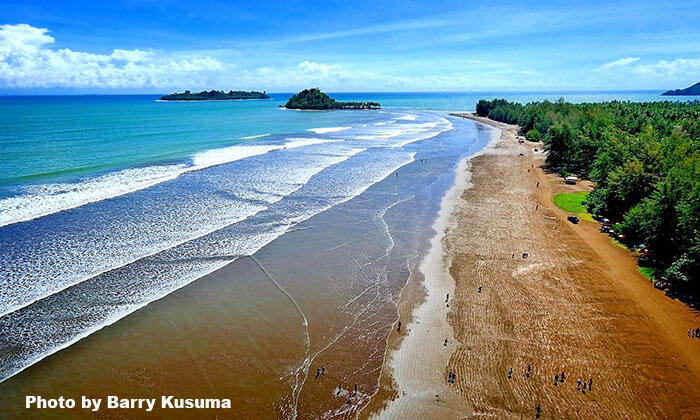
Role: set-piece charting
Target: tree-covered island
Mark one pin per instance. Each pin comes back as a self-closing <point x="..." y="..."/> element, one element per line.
<point x="315" y="99"/>
<point x="214" y="95"/>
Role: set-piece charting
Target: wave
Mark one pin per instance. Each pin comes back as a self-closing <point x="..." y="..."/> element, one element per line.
<point x="407" y="117"/>
<point x="42" y="200"/>
<point x="258" y="136"/>
<point x="133" y="303"/>
<point x="46" y="199"/>
<point x="70" y="276"/>
<point x="324" y="130"/>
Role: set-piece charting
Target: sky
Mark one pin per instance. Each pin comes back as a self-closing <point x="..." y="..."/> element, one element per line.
<point x="139" y="46"/>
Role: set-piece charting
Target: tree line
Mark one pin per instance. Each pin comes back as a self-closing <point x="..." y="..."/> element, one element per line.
<point x="644" y="159"/>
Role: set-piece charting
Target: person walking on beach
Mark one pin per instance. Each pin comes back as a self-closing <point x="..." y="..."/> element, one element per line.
<point x="318" y="373"/>
<point x="447" y="298"/>
<point x="399" y="328"/>
<point x="556" y="379"/>
<point x="445" y="343"/>
<point x="562" y="377"/>
<point x="539" y="411"/>
<point x="527" y="374"/>
<point x="323" y="369"/>
<point x="590" y="385"/>
<point x="479" y="289"/>
<point x="510" y="373"/>
<point x="578" y="387"/>
<point x="340" y="388"/>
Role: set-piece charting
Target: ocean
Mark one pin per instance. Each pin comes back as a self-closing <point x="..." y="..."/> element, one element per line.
<point x="110" y="203"/>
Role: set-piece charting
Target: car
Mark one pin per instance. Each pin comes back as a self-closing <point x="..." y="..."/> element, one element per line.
<point x="572" y="219"/>
<point x="661" y="284"/>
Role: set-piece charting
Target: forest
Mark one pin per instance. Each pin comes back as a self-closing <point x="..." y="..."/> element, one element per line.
<point x="644" y="159"/>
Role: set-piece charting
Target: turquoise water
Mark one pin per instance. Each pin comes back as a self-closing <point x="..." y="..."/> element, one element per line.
<point x="66" y="138"/>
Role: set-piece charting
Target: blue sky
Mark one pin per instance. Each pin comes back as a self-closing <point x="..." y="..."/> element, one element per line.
<point x="144" y="46"/>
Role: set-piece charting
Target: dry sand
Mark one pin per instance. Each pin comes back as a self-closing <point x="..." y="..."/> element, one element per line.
<point x="576" y="304"/>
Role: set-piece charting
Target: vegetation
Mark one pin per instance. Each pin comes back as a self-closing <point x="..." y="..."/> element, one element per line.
<point x="214" y="95"/>
<point x="647" y="272"/>
<point x="315" y="99"/>
<point x="644" y="159"/>
<point x="689" y="91"/>
<point x="573" y="202"/>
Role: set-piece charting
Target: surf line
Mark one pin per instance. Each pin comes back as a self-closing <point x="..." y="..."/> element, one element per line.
<point x="307" y="362"/>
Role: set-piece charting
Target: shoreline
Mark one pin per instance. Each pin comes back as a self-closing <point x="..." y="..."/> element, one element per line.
<point x="423" y="386"/>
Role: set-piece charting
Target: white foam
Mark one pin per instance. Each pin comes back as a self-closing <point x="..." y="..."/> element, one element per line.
<point x="52" y="198"/>
<point x="293" y="142"/>
<point x="408" y="117"/>
<point x="324" y="130"/>
<point x="229" y="154"/>
<point x="255" y="137"/>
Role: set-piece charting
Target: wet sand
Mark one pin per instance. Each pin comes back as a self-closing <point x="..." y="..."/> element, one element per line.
<point x="575" y="304"/>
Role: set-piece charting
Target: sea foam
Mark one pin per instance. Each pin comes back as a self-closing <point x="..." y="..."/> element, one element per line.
<point x="324" y="130"/>
<point x="38" y="201"/>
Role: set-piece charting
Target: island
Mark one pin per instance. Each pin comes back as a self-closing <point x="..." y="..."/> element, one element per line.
<point x="314" y="99"/>
<point x="689" y="91"/>
<point x="214" y="95"/>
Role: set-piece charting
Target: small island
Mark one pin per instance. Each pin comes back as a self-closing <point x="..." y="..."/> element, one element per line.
<point x="314" y="99"/>
<point x="689" y="91"/>
<point x="214" y="95"/>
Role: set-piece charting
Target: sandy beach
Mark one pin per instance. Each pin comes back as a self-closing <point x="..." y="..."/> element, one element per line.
<point x="574" y="304"/>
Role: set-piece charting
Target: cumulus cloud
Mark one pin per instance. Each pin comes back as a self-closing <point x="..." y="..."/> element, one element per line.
<point x="678" y="69"/>
<point x="304" y="74"/>
<point x="631" y="72"/>
<point x="618" y="63"/>
<point x="28" y="61"/>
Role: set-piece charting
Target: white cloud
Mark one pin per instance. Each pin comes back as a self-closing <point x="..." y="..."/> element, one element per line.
<point x="303" y="75"/>
<point x="679" y="69"/>
<point x="28" y="61"/>
<point x="618" y="63"/>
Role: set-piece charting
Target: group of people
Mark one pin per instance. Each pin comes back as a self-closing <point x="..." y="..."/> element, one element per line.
<point x="451" y="377"/>
<point x="320" y="371"/>
<point x="581" y="386"/>
<point x="528" y="372"/>
<point x="694" y="333"/>
<point x="560" y="378"/>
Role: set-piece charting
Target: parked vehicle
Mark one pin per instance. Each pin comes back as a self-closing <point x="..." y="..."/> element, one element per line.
<point x="572" y="219"/>
<point x="661" y="284"/>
